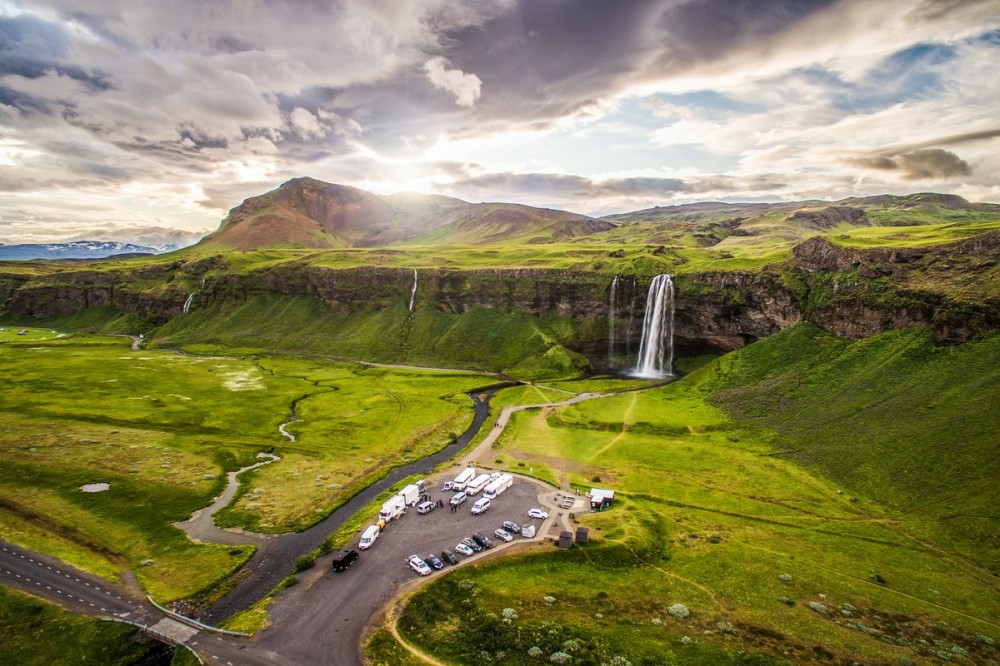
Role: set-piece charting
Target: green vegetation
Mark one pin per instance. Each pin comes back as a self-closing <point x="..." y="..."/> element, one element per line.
<point x="895" y="418"/>
<point x="382" y="649"/>
<point x="162" y="428"/>
<point x="717" y="513"/>
<point x="36" y="633"/>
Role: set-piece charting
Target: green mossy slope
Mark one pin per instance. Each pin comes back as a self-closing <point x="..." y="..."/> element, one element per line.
<point x="894" y="417"/>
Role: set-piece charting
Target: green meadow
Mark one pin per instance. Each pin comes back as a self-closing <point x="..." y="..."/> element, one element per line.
<point x="162" y="429"/>
<point x="36" y="633"/>
<point x="804" y="498"/>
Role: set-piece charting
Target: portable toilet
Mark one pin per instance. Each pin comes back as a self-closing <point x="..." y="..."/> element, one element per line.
<point x="582" y="534"/>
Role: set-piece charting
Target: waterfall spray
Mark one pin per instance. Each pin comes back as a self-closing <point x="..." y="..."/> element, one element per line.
<point x="413" y="291"/>
<point x="612" y="303"/>
<point x="656" y="351"/>
<point x="187" y="304"/>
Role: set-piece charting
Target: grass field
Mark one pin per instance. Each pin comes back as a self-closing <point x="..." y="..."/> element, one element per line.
<point x="718" y="514"/>
<point x="162" y="428"/>
<point x="36" y="633"/>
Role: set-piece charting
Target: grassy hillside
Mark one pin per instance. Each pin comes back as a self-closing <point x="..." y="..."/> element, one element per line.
<point x="770" y="562"/>
<point x="895" y="418"/>
<point x="483" y="339"/>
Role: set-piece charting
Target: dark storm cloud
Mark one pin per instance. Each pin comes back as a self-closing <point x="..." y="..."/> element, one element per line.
<point x="918" y="164"/>
<point x="705" y="30"/>
<point x="560" y="186"/>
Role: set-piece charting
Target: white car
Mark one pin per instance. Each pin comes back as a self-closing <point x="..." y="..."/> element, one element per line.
<point x="417" y="564"/>
<point x="537" y="513"/>
<point x="504" y="535"/>
<point x="465" y="550"/>
<point x="481" y="506"/>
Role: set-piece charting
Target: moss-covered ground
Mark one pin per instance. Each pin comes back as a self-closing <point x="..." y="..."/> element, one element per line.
<point x="162" y="428"/>
<point x="770" y="494"/>
<point x="36" y="633"/>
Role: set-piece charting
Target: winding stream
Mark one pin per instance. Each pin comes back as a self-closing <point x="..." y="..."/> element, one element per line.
<point x="201" y="527"/>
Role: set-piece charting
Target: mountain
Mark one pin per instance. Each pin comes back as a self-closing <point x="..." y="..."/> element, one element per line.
<point x="716" y="223"/>
<point x="308" y="213"/>
<point x="74" y="250"/>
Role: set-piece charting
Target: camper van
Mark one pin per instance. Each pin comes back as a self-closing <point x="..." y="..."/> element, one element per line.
<point x="498" y="485"/>
<point x="466" y="475"/>
<point x="393" y="508"/>
<point x="477" y="484"/>
<point x="368" y="537"/>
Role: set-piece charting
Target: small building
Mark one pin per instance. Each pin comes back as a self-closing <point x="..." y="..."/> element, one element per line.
<point x="565" y="539"/>
<point x="600" y="499"/>
<point x="582" y="534"/>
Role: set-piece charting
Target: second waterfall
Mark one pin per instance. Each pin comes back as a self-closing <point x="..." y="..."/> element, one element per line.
<point x="656" y="351"/>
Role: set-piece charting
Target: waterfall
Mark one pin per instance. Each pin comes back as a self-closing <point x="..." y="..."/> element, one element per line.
<point x="631" y="293"/>
<point x="413" y="291"/>
<point x="656" y="351"/>
<point x="612" y="303"/>
<point x="187" y="304"/>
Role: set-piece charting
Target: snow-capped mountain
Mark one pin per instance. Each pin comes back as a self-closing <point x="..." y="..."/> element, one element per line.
<point x="75" y="250"/>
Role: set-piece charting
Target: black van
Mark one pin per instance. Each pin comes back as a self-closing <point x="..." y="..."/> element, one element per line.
<point x="344" y="560"/>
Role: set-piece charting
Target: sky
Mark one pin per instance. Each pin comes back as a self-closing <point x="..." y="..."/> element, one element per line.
<point x="146" y="121"/>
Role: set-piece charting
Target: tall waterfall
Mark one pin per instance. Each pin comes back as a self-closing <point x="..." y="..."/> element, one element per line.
<point x="612" y="309"/>
<point x="413" y="291"/>
<point x="187" y="304"/>
<point x="656" y="351"/>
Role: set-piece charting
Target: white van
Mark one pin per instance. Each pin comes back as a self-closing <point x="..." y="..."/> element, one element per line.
<point x="481" y="506"/>
<point x="369" y="536"/>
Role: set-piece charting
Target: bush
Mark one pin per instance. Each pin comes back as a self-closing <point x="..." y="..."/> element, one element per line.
<point x="305" y="562"/>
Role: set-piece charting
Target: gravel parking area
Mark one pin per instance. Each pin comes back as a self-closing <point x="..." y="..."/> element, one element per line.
<point x="313" y="620"/>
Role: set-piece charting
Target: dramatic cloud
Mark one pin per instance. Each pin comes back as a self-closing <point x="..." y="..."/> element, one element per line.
<point x="919" y="164"/>
<point x="117" y="115"/>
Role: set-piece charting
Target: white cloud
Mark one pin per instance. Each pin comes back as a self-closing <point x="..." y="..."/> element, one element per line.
<point x="465" y="87"/>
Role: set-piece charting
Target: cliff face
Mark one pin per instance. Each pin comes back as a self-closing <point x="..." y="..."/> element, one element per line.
<point x="852" y="293"/>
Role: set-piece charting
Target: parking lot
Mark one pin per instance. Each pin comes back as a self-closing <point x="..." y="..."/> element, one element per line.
<point x="347" y="600"/>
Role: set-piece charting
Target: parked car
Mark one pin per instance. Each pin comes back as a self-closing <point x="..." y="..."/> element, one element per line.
<point x="464" y="548"/>
<point x="458" y="498"/>
<point x="504" y="535"/>
<point x="482" y="540"/>
<point x="449" y="557"/>
<point x="528" y="531"/>
<point x="418" y="565"/>
<point x="434" y="561"/>
<point x="426" y="507"/>
<point x="480" y="507"/>
<point x="472" y="543"/>
<point x="537" y="513"/>
<point x="344" y="560"/>
<point x="511" y="526"/>
<point x="448" y="485"/>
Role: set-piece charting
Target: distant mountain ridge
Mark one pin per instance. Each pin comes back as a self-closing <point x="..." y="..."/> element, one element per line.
<point x="308" y="213"/>
<point x="84" y="249"/>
